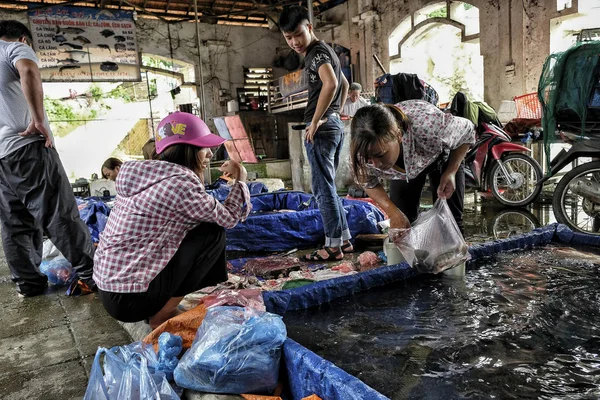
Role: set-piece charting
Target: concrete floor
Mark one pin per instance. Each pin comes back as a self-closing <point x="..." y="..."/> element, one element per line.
<point x="48" y="342"/>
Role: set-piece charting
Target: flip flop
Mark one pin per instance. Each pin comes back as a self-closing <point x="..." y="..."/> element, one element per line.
<point x="332" y="255"/>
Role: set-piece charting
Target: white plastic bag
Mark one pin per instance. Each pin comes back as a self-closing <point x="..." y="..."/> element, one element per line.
<point x="49" y="250"/>
<point x="434" y="242"/>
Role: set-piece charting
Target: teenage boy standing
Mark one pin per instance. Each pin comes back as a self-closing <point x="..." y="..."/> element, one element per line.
<point x="327" y="92"/>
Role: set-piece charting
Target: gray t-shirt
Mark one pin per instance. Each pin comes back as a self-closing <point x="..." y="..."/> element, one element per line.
<point x="14" y="111"/>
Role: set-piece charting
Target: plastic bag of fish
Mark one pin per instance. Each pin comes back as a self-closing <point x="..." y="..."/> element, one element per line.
<point x="434" y="242"/>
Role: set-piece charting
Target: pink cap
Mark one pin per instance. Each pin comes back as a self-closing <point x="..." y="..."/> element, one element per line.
<point x="181" y="127"/>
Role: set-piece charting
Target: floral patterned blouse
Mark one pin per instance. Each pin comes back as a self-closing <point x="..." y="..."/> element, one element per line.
<point x="432" y="134"/>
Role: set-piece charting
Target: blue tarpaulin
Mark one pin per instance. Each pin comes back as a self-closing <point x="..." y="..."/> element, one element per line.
<point x="94" y="214"/>
<point x="220" y="190"/>
<point x="309" y="373"/>
<point x="282" y="221"/>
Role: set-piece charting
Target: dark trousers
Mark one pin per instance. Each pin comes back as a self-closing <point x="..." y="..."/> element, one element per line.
<point x="407" y="195"/>
<point x="199" y="262"/>
<point x="36" y="197"/>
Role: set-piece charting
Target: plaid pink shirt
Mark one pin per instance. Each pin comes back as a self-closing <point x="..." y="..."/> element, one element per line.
<point x="157" y="204"/>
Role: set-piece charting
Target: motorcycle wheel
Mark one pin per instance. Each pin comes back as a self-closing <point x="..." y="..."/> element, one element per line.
<point x="572" y="209"/>
<point x="525" y="171"/>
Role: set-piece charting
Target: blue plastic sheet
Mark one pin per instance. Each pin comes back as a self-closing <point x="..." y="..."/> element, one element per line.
<point x="281" y="301"/>
<point x="219" y="190"/>
<point x="266" y="229"/>
<point x="95" y="215"/>
<point x="538" y="237"/>
<point x="308" y="373"/>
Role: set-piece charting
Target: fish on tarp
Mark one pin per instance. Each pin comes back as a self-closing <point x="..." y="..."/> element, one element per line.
<point x="119" y="38"/>
<point x="61" y="69"/>
<point x="120" y="47"/>
<point x="71" y="45"/>
<point x="59" y="38"/>
<point x="109" y="66"/>
<point x="82" y="39"/>
<point x="104" y="47"/>
<point x="107" y="33"/>
<point x="69" y="30"/>
<point x="68" y="61"/>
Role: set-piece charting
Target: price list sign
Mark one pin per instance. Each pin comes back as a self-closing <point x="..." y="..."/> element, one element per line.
<point x="76" y="44"/>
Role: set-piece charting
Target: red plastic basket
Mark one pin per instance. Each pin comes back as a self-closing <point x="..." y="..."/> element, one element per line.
<point x="528" y="106"/>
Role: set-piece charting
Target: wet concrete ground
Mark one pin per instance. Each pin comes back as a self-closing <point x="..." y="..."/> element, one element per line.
<point x="47" y="343"/>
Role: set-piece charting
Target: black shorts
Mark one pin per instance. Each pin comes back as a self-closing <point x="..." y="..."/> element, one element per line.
<point x="199" y="262"/>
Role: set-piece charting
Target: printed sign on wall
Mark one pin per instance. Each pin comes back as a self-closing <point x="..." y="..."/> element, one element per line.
<point x="85" y="45"/>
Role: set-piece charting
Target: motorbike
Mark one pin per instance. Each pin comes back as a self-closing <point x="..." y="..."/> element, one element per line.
<point x="494" y="163"/>
<point x="571" y="106"/>
<point x="576" y="198"/>
<point x="506" y="169"/>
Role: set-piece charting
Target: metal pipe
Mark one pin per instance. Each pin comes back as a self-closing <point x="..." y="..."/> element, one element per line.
<point x="310" y="11"/>
<point x="202" y="109"/>
<point x="150" y="104"/>
<point x="379" y="63"/>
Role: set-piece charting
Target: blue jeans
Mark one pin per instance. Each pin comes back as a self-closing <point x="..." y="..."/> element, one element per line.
<point x="324" y="157"/>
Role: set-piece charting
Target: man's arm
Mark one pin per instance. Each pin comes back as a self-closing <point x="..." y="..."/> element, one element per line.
<point x="330" y="84"/>
<point x="31" y="84"/>
<point x="344" y="94"/>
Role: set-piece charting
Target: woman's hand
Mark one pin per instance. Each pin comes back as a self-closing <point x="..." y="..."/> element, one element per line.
<point x="399" y="221"/>
<point x="447" y="185"/>
<point x="234" y="170"/>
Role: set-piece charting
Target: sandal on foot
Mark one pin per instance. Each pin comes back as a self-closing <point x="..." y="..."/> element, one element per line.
<point x="332" y="255"/>
<point x="348" y="248"/>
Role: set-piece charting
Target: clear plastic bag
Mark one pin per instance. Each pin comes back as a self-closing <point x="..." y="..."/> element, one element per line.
<point x="128" y="372"/>
<point x="434" y="243"/>
<point x="236" y="350"/>
<point x="58" y="270"/>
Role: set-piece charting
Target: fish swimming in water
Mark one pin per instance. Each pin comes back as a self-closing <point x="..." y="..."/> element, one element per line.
<point x="120" y="47"/>
<point x="104" y="47"/>
<point x="109" y="66"/>
<point x="569" y="252"/>
<point x="59" y="38"/>
<point x="69" y="30"/>
<point x="73" y="46"/>
<point x="82" y="39"/>
<point x="61" y="69"/>
<point x="107" y="33"/>
<point x="68" y="61"/>
<point x="119" y="38"/>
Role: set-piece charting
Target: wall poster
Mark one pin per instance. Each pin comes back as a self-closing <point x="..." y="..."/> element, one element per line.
<point x="76" y="44"/>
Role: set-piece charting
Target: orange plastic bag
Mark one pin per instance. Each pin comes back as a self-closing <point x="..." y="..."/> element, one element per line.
<point x="259" y="397"/>
<point x="184" y="325"/>
<point x="312" y="397"/>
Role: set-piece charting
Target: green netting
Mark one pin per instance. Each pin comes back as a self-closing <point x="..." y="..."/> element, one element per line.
<point x="566" y="87"/>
